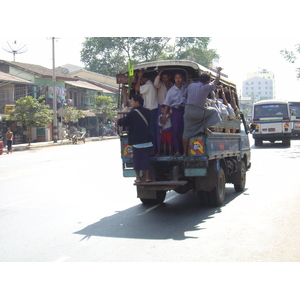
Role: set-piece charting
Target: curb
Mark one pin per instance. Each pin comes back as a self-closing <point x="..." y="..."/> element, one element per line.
<point x="23" y="147"/>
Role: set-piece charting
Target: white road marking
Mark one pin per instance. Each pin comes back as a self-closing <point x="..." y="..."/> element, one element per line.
<point x="157" y="205"/>
<point x="15" y="175"/>
<point x="62" y="259"/>
<point x="15" y="203"/>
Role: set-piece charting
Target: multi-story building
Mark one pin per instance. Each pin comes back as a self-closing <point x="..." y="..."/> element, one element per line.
<point x="259" y="85"/>
<point x="22" y="79"/>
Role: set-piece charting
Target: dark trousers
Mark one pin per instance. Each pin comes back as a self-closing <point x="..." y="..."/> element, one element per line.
<point x="9" y="145"/>
<point x="177" y="127"/>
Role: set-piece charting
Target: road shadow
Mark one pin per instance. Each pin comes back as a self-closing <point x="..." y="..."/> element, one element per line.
<point x="176" y="219"/>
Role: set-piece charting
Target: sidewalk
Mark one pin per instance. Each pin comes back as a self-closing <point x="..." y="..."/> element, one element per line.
<point x="38" y="145"/>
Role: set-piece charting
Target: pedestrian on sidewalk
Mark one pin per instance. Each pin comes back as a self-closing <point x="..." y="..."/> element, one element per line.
<point x="9" y="140"/>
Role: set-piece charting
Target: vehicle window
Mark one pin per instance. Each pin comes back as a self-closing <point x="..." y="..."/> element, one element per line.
<point x="270" y="110"/>
<point x="295" y="109"/>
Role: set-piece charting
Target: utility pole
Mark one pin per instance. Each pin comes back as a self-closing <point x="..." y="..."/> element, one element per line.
<point x="54" y="95"/>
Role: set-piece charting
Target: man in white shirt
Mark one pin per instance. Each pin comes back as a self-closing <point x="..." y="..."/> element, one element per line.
<point x="146" y="88"/>
<point x="163" y="84"/>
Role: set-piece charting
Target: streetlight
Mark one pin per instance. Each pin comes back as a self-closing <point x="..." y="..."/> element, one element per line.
<point x="54" y="95"/>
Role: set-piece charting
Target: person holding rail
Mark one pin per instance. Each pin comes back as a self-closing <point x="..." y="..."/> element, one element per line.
<point x="176" y="100"/>
<point x="139" y="136"/>
<point x="197" y="117"/>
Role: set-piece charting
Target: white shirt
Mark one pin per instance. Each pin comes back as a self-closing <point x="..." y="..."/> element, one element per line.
<point x="149" y="93"/>
<point x="161" y="90"/>
<point x="168" y="124"/>
<point x="175" y="96"/>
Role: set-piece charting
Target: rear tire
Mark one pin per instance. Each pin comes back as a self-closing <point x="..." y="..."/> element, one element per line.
<point x="160" y="198"/>
<point x="217" y="195"/>
<point x="286" y="142"/>
<point x="258" y="142"/>
<point x="240" y="186"/>
<point x="203" y="198"/>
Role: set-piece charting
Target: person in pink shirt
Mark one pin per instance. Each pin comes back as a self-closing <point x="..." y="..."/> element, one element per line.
<point x="9" y="140"/>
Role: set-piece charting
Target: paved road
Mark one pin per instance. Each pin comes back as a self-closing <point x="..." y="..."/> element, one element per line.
<point x="71" y="203"/>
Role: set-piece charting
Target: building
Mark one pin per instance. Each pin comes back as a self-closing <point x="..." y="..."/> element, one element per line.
<point x="75" y="87"/>
<point x="23" y="79"/>
<point x="107" y="83"/>
<point x="259" y="85"/>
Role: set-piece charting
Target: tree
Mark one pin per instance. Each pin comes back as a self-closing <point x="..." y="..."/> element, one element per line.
<point x="105" y="107"/>
<point x="72" y="115"/>
<point x="32" y="113"/>
<point x="291" y="57"/>
<point x="109" y="55"/>
<point x="193" y="48"/>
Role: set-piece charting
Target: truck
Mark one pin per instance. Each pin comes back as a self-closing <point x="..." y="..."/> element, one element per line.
<point x="272" y="119"/>
<point x="295" y="118"/>
<point x="213" y="159"/>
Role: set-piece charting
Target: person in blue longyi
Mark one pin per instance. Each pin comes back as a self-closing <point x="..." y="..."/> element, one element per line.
<point x="139" y="136"/>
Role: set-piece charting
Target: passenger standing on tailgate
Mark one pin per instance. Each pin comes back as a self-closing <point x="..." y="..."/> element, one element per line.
<point x="139" y="136"/>
<point x="197" y="117"/>
<point x="146" y="88"/>
<point x="176" y="100"/>
<point x="163" y="84"/>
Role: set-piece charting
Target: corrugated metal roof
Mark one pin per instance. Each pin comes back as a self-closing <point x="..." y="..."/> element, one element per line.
<point x="36" y="69"/>
<point x="13" y="79"/>
<point x="86" y="85"/>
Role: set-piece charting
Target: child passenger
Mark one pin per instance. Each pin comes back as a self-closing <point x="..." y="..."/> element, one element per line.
<point x="165" y="131"/>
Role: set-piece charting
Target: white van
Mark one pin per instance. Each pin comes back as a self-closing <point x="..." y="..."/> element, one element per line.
<point x="295" y="118"/>
<point x="273" y="122"/>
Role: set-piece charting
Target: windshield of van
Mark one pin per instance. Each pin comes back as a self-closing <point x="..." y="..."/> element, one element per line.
<point x="271" y="110"/>
<point x="295" y="109"/>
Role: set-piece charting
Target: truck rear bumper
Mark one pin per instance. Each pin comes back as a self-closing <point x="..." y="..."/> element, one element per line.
<point x="272" y="136"/>
<point x="148" y="190"/>
<point x="161" y="185"/>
